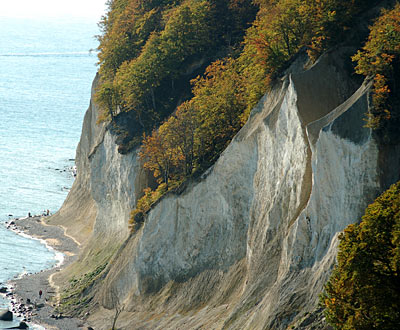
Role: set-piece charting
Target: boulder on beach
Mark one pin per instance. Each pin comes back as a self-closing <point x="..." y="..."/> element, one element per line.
<point x="6" y="315"/>
<point x="3" y="289"/>
<point x="22" y="325"/>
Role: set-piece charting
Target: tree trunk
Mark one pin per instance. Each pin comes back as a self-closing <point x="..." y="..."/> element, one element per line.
<point x="117" y="312"/>
<point x="153" y="98"/>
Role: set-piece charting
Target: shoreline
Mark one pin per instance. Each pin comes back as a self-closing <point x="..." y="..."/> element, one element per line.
<point x="24" y="290"/>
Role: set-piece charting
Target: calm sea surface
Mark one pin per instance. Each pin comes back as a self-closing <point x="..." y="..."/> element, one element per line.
<point x="46" y="70"/>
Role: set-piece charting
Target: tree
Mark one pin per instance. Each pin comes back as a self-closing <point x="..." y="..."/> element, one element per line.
<point x="364" y="289"/>
<point x="219" y="102"/>
<point x="380" y="59"/>
<point x="108" y="97"/>
<point x="185" y="126"/>
<point x="160" y="154"/>
<point x="149" y="62"/>
<point x="118" y="306"/>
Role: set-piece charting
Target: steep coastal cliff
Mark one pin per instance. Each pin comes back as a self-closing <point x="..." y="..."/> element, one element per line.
<point x="248" y="245"/>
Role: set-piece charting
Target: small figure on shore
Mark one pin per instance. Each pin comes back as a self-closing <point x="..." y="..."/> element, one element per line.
<point x="48" y="212"/>
<point x="40" y="293"/>
<point x="29" y="215"/>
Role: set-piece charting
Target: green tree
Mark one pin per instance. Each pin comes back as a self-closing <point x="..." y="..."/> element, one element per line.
<point x="218" y="100"/>
<point x="148" y="46"/>
<point x="364" y="290"/>
<point x="147" y="81"/>
<point x="184" y="126"/>
<point x="108" y="97"/>
<point x="125" y="29"/>
<point x="380" y="60"/>
<point x="160" y="154"/>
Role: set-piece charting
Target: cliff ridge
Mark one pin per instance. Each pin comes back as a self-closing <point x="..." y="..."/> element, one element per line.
<point x="251" y="243"/>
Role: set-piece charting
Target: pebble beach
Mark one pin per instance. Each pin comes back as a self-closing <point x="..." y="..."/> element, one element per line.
<point x="23" y="292"/>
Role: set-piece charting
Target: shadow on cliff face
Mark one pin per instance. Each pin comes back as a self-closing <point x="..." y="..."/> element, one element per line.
<point x="250" y="245"/>
<point x="255" y="236"/>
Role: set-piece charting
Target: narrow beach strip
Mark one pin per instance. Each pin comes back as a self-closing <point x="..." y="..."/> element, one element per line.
<point x="24" y="291"/>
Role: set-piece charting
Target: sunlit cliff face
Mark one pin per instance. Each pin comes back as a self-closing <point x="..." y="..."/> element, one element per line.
<point x="255" y="238"/>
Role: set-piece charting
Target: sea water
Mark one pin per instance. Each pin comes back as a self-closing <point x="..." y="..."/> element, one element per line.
<point x="46" y="70"/>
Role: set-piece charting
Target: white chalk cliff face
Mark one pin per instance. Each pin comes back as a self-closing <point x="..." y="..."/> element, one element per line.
<point x="251" y="243"/>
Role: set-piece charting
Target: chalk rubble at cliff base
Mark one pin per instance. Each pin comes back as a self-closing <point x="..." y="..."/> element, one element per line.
<point x="250" y="245"/>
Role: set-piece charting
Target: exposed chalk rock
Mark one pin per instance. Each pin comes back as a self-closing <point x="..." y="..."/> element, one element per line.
<point x="251" y="243"/>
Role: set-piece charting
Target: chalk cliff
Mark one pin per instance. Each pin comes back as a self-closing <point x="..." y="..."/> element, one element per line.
<point x="250" y="244"/>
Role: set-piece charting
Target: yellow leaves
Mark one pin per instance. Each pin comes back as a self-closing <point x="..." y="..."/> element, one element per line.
<point x="144" y="204"/>
<point x="363" y="291"/>
<point x="169" y="152"/>
<point x="227" y="91"/>
<point x="142" y="54"/>
<point x="288" y="25"/>
<point x="200" y="128"/>
<point x="350" y="228"/>
<point x="387" y="59"/>
<point x="376" y="59"/>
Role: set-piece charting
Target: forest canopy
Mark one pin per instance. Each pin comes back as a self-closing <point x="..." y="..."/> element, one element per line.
<point x="188" y="72"/>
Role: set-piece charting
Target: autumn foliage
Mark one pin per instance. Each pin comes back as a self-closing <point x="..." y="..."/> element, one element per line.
<point x="223" y="96"/>
<point x="284" y="27"/>
<point x="380" y="60"/>
<point x="149" y="51"/>
<point x="364" y="289"/>
<point x="189" y="72"/>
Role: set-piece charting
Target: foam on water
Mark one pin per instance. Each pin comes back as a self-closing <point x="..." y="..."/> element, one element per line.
<point x="46" y="70"/>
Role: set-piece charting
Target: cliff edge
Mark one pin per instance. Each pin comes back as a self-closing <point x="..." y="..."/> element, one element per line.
<point x="250" y="244"/>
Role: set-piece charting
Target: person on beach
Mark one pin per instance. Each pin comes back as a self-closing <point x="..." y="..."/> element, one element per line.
<point x="40" y="293"/>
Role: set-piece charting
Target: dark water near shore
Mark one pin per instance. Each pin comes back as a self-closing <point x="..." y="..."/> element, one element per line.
<point x="46" y="70"/>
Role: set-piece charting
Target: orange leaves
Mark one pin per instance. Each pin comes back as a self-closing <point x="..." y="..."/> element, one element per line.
<point x="283" y="27"/>
<point x="363" y="291"/>
<point x="377" y="59"/>
<point x="144" y="204"/>
<point x="201" y="128"/>
<point x="383" y="44"/>
<point x="219" y="100"/>
<point x="159" y="153"/>
<point x="170" y="151"/>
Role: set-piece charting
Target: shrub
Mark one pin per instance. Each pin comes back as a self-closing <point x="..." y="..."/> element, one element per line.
<point x="364" y="289"/>
<point x="144" y="204"/>
<point x="380" y="60"/>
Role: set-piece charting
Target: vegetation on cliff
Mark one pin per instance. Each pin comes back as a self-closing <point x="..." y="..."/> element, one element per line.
<point x="364" y="289"/>
<point x="189" y="72"/>
<point x="149" y="50"/>
<point x="75" y="299"/>
<point x="380" y="60"/>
